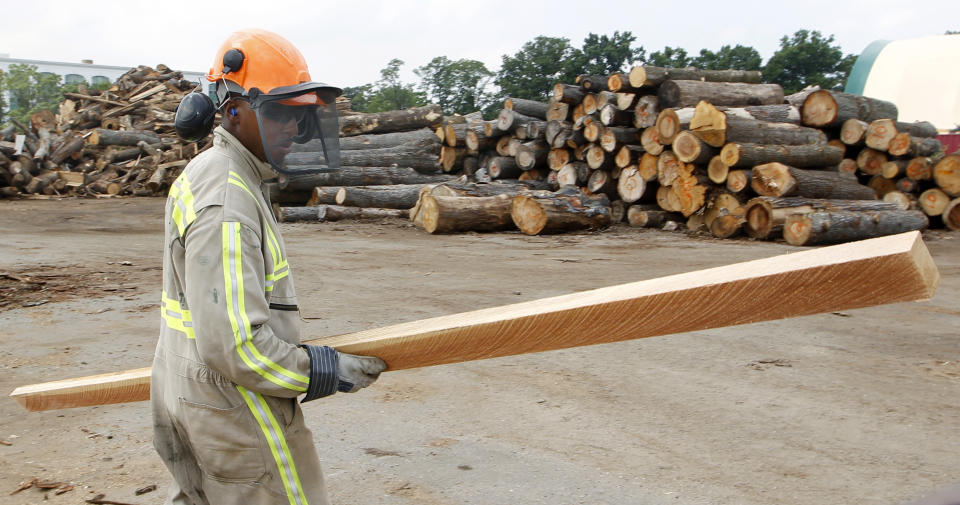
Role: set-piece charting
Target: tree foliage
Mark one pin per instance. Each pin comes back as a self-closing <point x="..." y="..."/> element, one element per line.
<point x="389" y="93"/>
<point x="808" y="58"/>
<point x="3" y="101"/>
<point x="536" y="67"/>
<point x="603" y="55"/>
<point x="737" y="57"/>
<point x="31" y="91"/>
<point x="669" y="57"/>
<point x="458" y="87"/>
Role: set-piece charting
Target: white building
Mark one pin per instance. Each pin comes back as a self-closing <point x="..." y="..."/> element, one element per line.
<point x="86" y="70"/>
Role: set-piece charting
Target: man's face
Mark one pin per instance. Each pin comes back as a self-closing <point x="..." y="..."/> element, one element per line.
<point x="278" y="126"/>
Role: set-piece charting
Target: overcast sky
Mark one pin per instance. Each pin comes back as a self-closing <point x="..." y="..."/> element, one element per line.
<point x="346" y="42"/>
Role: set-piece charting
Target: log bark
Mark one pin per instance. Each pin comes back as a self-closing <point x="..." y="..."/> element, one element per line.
<point x="612" y="138"/>
<point x="825" y="108"/>
<point x="610" y="115"/>
<point x="946" y="173"/>
<point x="455" y="134"/>
<point x="602" y="182"/>
<point x="777" y="179"/>
<point x="951" y="215"/>
<point x="592" y="83"/>
<point x="451" y="158"/>
<point x="628" y="155"/>
<point x="324" y="213"/>
<point x="923" y="147"/>
<point x="526" y="107"/>
<point x="730" y="129"/>
<point x="477" y="140"/>
<point x="576" y="173"/>
<point x="509" y="120"/>
<point x="504" y="167"/>
<point x="568" y="93"/>
<point x="643" y="216"/>
<point x="847" y="226"/>
<point x="402" y="196"/>
<point x="67" y="149"/>
<point x="323" y="195"/>
<point x="691" y="149"/>
<point x="429" y="116"/>
<point x="689" y="93"/>
<point x="902" y="200"/>
<point x="648" y="75"/>
<point x="620" y="83"/>
<point x="765" y="216"/>
<point x="448" y="214"/>
<point x="773" y="113"/>
<point x="102" y="137"/>
<point x="406" y="155"/>
<point x="362" y="176"/>
<point x="418" y="137"/>
<point x="556" y="133"/>
<point x="535" y="216"/>
<point x="749" y="155"/>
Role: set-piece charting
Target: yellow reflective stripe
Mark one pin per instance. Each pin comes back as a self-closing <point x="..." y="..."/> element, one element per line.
<point x="278" y="445"/>
<point x="183" y="211"/>
<point x="272" y="243"/>
<point x="176" y="318"/>
<point x="240" y="323"/>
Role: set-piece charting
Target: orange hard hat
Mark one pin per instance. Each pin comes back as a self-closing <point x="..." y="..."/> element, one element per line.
<point x="267" y="62"/>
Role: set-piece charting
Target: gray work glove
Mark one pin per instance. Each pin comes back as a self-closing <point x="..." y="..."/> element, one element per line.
<point x="357" y="372"/>
<point x="332" y="371"/>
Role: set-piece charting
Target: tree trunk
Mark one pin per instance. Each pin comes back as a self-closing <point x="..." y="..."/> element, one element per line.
<point x="561" y="212"/>
<point x="526" y="107"/>
<point x="401" y="196"/>
<point x="568" y="93"/>
<point x="41" y="181"/>
<point x="361" y="176"/>
<point x="825" y="108"/>
<point x="67" y="149"/>
<point x="650" y="140"/>
<point x="592" y="83"/>
<point x="532" y="155"/>
<point x="894" y="169"/>
<point x="811" y="155"/>
<point x="610" y="115"/>
<point x="717" y="170"/>
<point x="647" y="167"/>
<point x="451" y="158"/>
<point x="557" y="111"/>
<point x="447" y="214"/>
<point x="597" y="159"/>
<point x="757" y="132"/>
<point x="601" y="182"/>
<point x="627" y="101"/>
<point x="871" y="161"/>
<point x="477" y="140"/>
<point x="645" y="111"/>
<point x="630" y="186"/>
<point x="643" y="216"/>
<point x="689" y="93"/>
<point x="504" y="167"/>
<point x="690" y="149"/>
<point x="613" y="138"/>
<point x="323" y="213"/>
<point x="406" y="155"/>
<point x="853" y="132"/>
<point x="323" y="195"/>
<point x="509" y="120"/>
<point x="946" y="173"/>
<point x="418" y="137"/>
<point x="951" y="215"/>
<point x="765" y="215"/>
<point x="902" y="200"/>
<point x="576" y="173"/>
<point x="620" y="83"/>
<point x="668" y="168"/>
<point x="628" y="155"/>
<point x="558" y="158"/>
<point x="556" y="133"/>
<point x="933" y="201"/>
<point x="738" y="180"/>
<point x="429" y="116"/>
<point x="455" y="134"/>
<point x="648" y="76"/>
<point x="847" y="226"/>
<point x="671" y="122"/>
<point x="102" y="137"/>
<point x="777" y="179"/>
<point x="907" y="185"/>
<point x="773" y="113"/>
<point x="690" y="191"/>
<point x="879" y="134"/>
<point x="920" y="169"/>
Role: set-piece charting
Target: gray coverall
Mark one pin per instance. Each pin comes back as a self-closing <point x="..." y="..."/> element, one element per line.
<point x="228" y="368"/>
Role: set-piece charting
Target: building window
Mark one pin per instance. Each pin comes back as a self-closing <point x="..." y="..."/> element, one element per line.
<point x="74" y="79"/>
<point x="99" y="80"/>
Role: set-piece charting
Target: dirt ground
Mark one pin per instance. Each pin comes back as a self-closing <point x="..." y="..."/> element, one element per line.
<point x="854" y="407"/>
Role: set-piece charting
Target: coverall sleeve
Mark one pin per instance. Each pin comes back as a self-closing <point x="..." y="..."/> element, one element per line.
<point x="224" y="288"/>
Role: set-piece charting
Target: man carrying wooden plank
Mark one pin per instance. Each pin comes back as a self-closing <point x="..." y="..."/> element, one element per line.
<point x="229" y="363"/>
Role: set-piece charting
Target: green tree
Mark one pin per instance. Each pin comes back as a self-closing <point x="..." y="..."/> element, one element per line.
<point x="31" y="91"/>
<point x="808" y="58"/>
<point x="458" y="87"/>
<point x="391" y="93"/>
<point x="737" y="57"/>
<point x="3" y="102"/>
<point x="669" y="57"/>
<point x="603" y="55"/>
<point x="536" y="67"/>
<point x="359" y="96"/>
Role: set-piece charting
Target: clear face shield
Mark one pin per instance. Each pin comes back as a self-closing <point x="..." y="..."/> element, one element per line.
<point x="304" y="122"/>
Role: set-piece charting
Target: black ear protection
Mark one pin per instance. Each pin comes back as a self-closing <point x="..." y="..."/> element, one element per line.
<point x="195" y="114"/>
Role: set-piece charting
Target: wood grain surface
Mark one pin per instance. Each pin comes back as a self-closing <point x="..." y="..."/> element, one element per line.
<point x="827" y="279"/>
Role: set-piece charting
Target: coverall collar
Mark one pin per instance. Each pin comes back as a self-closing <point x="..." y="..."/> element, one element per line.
<point x="259" y="169"/>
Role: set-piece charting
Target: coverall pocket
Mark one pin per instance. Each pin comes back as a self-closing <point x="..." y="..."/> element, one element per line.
<point x="225" y="441"/>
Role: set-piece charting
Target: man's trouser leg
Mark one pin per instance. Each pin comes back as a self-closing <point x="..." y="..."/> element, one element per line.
<point x="226" y="445"/>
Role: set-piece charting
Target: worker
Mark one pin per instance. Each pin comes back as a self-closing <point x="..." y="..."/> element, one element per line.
<point x="229" y="365"/>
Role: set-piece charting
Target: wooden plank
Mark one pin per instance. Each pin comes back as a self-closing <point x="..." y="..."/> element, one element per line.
<point x="828" y="279"/>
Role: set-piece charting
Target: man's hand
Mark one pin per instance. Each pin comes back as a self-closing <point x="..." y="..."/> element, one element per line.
<point x="357" y="372"/>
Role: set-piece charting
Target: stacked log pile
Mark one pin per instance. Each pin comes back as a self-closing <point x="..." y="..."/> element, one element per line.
<point x="713" y="150"/>
<point x="118" y="141"/>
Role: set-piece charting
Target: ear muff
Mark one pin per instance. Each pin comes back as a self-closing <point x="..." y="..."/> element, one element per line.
<point x="194" y="118"/>
<point x="232" y="60"/>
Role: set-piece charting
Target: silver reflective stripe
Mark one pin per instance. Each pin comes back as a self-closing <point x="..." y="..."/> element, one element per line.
<point x="284" y="460"/>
